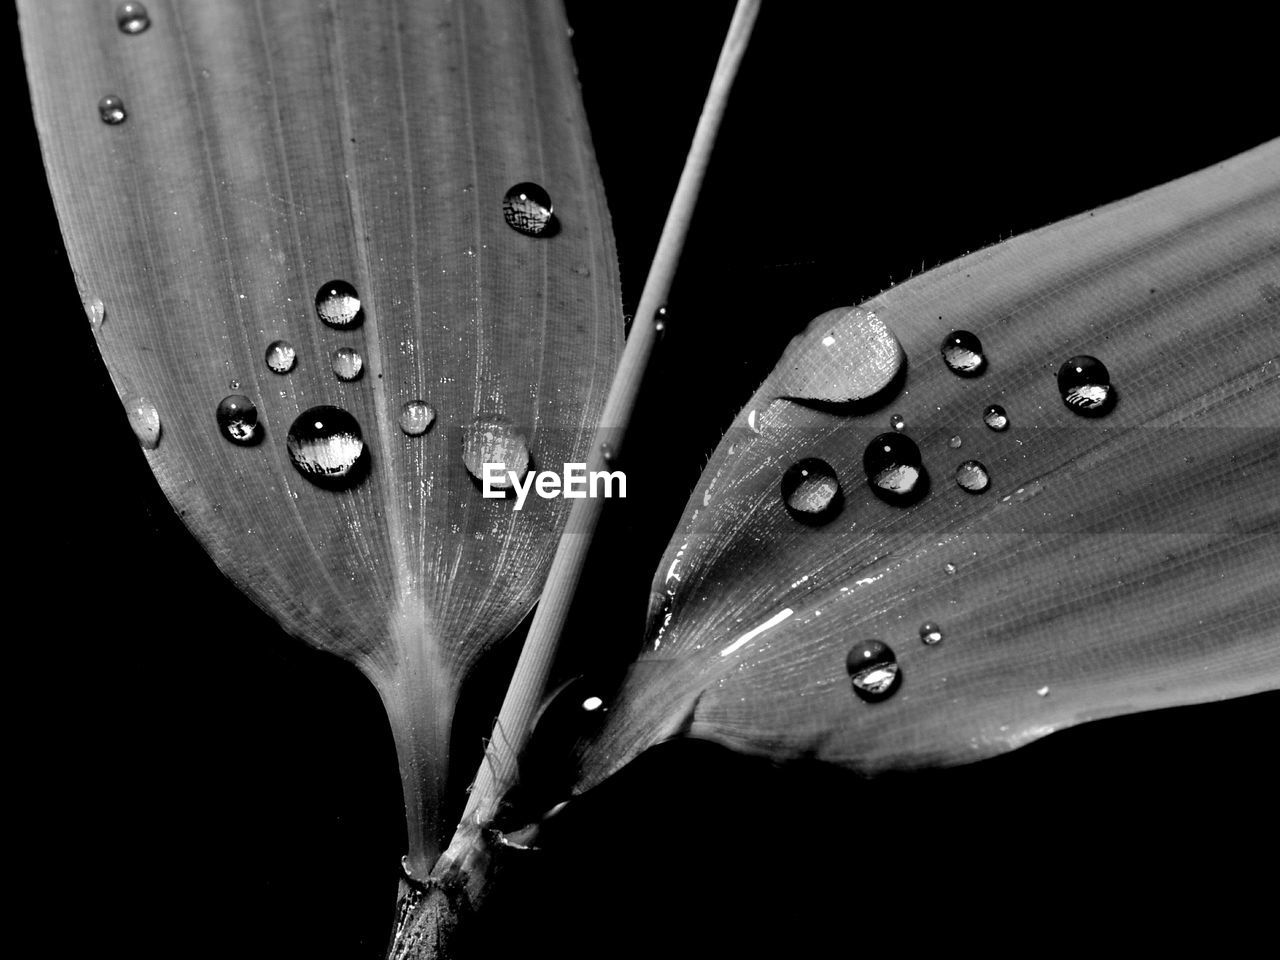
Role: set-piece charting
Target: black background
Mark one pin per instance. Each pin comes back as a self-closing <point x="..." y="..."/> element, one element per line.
<point x="199" y="775"/>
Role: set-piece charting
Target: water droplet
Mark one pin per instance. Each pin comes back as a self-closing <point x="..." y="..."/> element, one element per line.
<point x="327" y="447"/>
<point x="607" y="453"/>
<point x="1042" y="692"/>
<point x="495" y="440"/>
<point x="811" y="491"/>
<point x="111" y="110"/>
<point x="527" y="208"/>
<point x="234" y="385"/>
<point x="847" y="356"/>
<point x="897" y="422"/>
<point x="416" y="417"/>
<point x="995" y="417"/>
<point x="873" y="669"/>
<point x="955" y="442"/>
<point x="1085" y="385"/>
<point x="893" y="467"/>
<point x="660" y="319"/>
<point x="96" y="311"/>
<point x="281" y="356"/>
<point x="591" y="704"/>
<point x="949" y="568"/>
<point x="338" y="305"/>
<point x="347" y="363"/>
<point x="930" y="633"/>
<point x="962" y="353"/>
<point x="132" y="18"/>
<point x="973" y="476"/>
<point x="144" y="418"/>
<point x="238" y="420"/>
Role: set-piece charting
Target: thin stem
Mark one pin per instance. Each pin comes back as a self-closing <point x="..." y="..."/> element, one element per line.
<point x="528" y="684"/>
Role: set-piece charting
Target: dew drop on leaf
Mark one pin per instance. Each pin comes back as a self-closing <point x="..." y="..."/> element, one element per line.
<point x="132" y="18"/>
<point x="111" y="110"/>
<point x="238" y="420"/>
<point x="144" y="418"/>
<point x="527" y="209"/>
<point x="281" y="356"/>
<point x="416" y="417"/>
<point x="893" y="466"/>
<point x="973" y="477"/>
<point x="347" y="363"/>
<point x="873" y="670"/>
<point x="955" y="443"/>
<point x="326" y="446"/>
<point x="811" y="491"/>
<point x="962" y="353"/>
<point x="1085" y="385"/>
<point x="660" y="319"/>
<point x="338" y="305"/>
<point x="930" y="633"/>
<point x="495" y="440"/>
<point x="96" y="311"/>
<point x="995" y="417"/>
<point x="897" y="422"/>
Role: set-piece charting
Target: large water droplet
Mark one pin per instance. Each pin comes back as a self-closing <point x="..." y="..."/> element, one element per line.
<point x="811" y="491"/>
<point x="281" y="356"/>
<point x="873" y="669"/>
<point x="893" y="467"/>
<point x="973" y="476"/>
<point x="96" y="311"/>
<point x="962" y="353"/>
<point x="416" y="417"/>
<point x="527" y="208"/>
<point x="144" y="418"/>
<point x="347" y="363"/>
<point x="995" y="417"/>
<point x="338" y="305"/>
<point x="494" y="440"/>
<point x="327" y="447"/>
<point x="930" y="633"/>
<point x="847" y="356"/>
<point x="238" y="420"/>
<point x="1085" y="385"/>
<point x="111" y="109"/>
<point x="132" y="18"/>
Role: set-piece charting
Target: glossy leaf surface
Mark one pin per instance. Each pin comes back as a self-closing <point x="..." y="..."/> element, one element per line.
<point x="1116" y="563"/>
<point x="268" y="150"/>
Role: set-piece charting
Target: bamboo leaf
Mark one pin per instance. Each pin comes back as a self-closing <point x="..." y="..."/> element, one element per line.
<point x="267" y="150"/>
<point x="1115" y="564"/>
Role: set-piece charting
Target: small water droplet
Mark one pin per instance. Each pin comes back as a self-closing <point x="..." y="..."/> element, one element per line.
<point x="234" y="385"/>
<point x="1085" y="385"/>
<point x="591" y="704"/>
<point x="111" y="109"/>
<point x="955" y="442"/>
<point x="347" y="364"/>
<point x="132" y="18"/>
<point x="416" y="417"/>
<point x="495" y="440"/>
<point x="973" y="476"/>
<point x="962" y="353"/>
<point x="930" y="633"/>
<point x="281" y="356"/>
<point x="527" y="209"/>
<point x="897" y="422"/>
<point x="995" y="417"/>
<point x="811" y="491"/>
<point x="96" y="311"/>
<point x="144" y="418"/>
<point x="893" y="467"/>
<point x="338" y="305"/>
<point x="326" y="446"/>
<point x="949" y="568"/>
<point x="873" y="669"/>
<point x="238" y="420"/>
<point x="660" y="319"/>
<point x="607" y="453"/>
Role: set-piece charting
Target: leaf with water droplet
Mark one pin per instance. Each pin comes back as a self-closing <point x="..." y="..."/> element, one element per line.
<point x="288" y="183"/>
<point x="1129" y="566"/>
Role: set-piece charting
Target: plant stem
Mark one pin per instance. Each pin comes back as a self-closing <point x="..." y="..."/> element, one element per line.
<point x="529" y="683"/>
